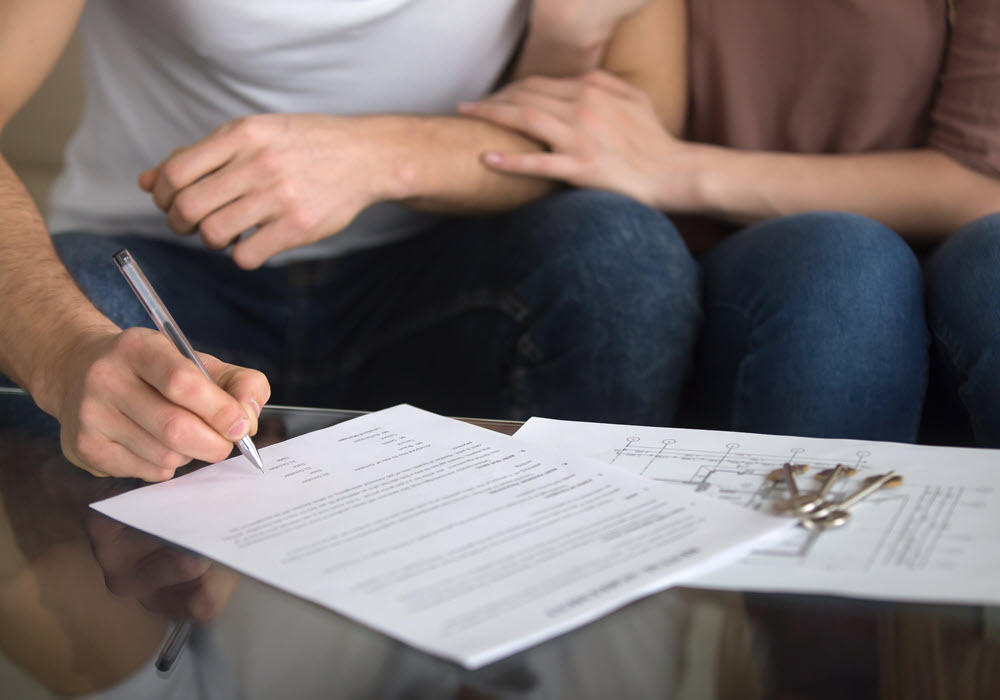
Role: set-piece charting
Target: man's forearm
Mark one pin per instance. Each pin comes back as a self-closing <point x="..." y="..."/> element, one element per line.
<point x="921" y="194"/>
<point x="436" y="167"/>
<point x="43" y="310"/>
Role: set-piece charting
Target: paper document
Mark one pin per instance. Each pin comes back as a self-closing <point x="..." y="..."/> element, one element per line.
<point x="934" y="538"/>
<point x="462" y="542"/>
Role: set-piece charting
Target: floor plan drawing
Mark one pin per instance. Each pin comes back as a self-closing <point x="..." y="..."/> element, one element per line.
<point x="931" y="537"/>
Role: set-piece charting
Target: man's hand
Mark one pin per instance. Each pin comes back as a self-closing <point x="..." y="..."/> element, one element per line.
<point x="162" y="578"/>
<point x="294" y="178"/>
<point x="132" y="406"/>
<point x="601" y="132"/>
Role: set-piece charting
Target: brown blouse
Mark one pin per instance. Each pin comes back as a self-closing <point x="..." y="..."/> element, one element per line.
<point x="847" y="76"/>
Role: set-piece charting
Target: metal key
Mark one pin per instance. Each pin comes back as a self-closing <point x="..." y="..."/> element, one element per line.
<point x="830" y="507"/>
<point x="806" y="503"/>
<point x="834" y="519"/>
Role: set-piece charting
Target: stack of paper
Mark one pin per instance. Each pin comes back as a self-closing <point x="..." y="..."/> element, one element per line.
<point x="460" y="541"/>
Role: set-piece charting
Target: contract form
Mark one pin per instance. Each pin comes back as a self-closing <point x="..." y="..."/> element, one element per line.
<point x="457" y="540"/>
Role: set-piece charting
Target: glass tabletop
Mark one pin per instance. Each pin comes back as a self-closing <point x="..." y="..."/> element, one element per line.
<point x="70" y="623"/>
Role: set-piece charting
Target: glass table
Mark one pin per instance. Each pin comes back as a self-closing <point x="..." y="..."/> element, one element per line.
<point x="63" y="632"/>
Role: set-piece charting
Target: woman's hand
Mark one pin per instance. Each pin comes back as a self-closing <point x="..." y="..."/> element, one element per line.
<point x="601" y="133"/>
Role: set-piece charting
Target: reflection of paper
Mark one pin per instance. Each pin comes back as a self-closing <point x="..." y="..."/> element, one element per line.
<point x="934" y="538"/>
<point x="461" y="541"/>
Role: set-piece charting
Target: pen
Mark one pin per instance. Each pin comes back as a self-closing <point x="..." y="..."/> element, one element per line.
<point x="165" y="322"/>
<point x="171" y="648"/>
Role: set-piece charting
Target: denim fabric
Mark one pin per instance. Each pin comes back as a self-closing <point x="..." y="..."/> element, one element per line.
<point x="582" y="305"/>
<point x="963" y="308"/>
<point x="815" y="327"/>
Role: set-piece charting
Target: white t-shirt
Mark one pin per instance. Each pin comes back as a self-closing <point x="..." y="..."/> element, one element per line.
<point x="161" y="75"/>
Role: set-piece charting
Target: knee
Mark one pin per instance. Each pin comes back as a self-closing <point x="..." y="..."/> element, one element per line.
<point x="851" y="263"/>
<point x="965" y="270"/>
<point x="611" y="272"/>
<point x="618" y="248"/>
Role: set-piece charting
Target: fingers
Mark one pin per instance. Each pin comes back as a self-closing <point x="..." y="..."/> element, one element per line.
<point x="213" y="419"/>
<point x="136" y="564"/>
<point x="270" y="239"/>
<point x="164" y="579"/>
<point x="547" y="165"/>
<point x="213" y="192"/>
<point x="202" y="599"/>
<point x="100" y="455"/>
<point x="248" y="386"/>
<point x="179" y="435"/>
<point x="141" y="442"/>
<point x="535" y="121"/>
<point x="224" y="225"/>
<point x="185" y="166"/>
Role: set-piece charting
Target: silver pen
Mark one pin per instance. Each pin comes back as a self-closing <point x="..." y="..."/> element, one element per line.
<point x="165" y="322"/>
<point x="172" y="648"/>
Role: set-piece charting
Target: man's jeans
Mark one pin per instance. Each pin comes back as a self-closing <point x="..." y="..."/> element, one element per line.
<point x="582" y="305"/>
<point x="815" y="327"/>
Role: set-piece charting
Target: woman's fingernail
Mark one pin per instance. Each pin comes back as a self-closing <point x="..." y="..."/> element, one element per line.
<point x="492" y="158"/>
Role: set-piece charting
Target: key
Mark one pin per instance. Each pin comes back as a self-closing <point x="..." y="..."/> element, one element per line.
<point x="871" y="486"/>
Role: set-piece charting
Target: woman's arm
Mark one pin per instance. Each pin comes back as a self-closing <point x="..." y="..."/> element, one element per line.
<point x="603" y="133"/>
<point x="920" y="193"/>
<point x="569" y="37"/>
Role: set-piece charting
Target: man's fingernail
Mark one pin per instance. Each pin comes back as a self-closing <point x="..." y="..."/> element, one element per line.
<point x="238" y="429"/>
<point x="255" y="406"/>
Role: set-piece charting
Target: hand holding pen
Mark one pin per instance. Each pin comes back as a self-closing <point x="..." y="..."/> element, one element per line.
<point x="165" y="322"/>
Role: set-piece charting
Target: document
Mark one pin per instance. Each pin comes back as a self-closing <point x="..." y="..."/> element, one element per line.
<point x="460" y="541"/>
<point x="933" y="538"/>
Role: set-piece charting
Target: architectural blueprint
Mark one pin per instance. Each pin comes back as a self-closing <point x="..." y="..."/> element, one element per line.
<point x="935" y="537"/>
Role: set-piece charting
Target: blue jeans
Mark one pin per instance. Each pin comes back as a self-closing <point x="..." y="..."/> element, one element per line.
<point x="963" y="310"/>
<point x="815" y="327"/>
<point x="582" y="305"/>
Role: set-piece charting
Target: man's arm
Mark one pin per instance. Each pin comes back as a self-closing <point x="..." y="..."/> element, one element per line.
<point x="300" y="178"/>
<point x="32" y="35"/>
<point x="128" y="403"/>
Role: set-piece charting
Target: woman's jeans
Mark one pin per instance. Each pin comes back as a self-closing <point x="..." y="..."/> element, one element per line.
<point x="963" y="311"/>
<point x="814" y="326"/>
<point x="582" y="305"/>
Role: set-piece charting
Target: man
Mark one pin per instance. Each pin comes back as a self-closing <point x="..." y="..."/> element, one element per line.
<point x="314" y="141"/>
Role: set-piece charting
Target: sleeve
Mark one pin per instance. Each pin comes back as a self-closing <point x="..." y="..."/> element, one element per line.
<point x="965" y="116"/>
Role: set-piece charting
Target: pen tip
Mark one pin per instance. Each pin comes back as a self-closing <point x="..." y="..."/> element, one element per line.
<point x="249" y="451"/>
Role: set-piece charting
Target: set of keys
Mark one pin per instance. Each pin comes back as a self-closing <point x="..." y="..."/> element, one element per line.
<point x="814" y="509"/>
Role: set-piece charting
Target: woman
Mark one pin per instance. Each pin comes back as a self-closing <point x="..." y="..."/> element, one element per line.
<point x="816" y="145"/>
